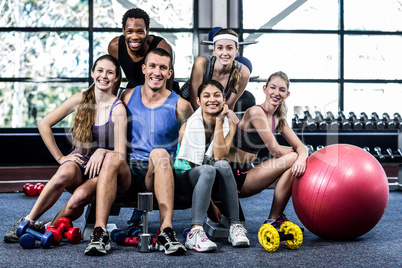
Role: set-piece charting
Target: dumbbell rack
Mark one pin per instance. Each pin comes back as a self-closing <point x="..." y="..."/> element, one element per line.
<point x="384" y="139"/>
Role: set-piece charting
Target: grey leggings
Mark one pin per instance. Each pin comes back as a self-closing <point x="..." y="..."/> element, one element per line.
<point x="195" y="185"/>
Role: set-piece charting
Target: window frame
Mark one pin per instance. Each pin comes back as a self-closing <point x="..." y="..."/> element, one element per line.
<point x="341" y="33"/>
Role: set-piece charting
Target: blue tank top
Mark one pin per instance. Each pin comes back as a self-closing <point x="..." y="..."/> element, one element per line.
<point x="151" y="128"/>
<point x="102" y="136"/>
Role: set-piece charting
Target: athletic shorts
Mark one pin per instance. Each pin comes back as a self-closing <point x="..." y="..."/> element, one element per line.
<point x="240" y="173"/>
<point x="84" y="177"/>
<point x="138" y="171"/>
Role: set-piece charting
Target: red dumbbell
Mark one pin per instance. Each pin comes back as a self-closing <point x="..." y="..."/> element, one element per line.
<point x="39" y="187"/>
<point x="64" y="228"/>
<point x="24" y="188"/>
<point x="29" y="189"/>
<point x="133" y="241"/>
<point x="73" y="235"/>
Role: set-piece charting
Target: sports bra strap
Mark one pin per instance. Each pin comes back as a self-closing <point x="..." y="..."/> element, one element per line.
<point x="273" y="118"/>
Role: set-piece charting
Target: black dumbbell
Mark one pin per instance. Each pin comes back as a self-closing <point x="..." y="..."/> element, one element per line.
<point x="398" y="120"/>
<point x="297" y="123"/>
<point x="388" y="121"/>
<point x="319" y="147"/>
<point x="320" y="121"/>
<point x="356" y="123"/>
<point x="343" y="121"/>
<point x="378" y="123"/>
<point x="310" y="122"/>
<point x="390" y="154"/>
<point x="380" y="156"/>
<point x="366" y="122"/>
<point x="333" y="123"/>
<point x="310" y="149"/>
<point x="398" y="154"/>
<point x="45" y="239"/>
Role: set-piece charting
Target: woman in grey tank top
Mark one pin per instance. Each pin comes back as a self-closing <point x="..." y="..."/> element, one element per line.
<point x="94" y="107"/>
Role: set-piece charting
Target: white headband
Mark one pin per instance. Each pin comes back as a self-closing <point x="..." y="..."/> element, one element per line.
<point x="226" y="36"/>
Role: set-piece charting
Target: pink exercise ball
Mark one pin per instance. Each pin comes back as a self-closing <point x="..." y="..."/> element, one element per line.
<point x="343" y="193"/>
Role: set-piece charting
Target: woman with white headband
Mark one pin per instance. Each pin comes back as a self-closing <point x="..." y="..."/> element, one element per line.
<point x="222" y="67"/>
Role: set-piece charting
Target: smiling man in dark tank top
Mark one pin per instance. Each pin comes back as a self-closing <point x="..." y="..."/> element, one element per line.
<point x="131" y="47"/>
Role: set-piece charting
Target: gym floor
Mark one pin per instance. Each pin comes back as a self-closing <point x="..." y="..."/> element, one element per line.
<point x="381" y="247"/>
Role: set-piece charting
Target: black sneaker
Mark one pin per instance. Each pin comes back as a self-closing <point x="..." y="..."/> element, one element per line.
<point x="100" y="243"/>
<point x="168" y="242"/>
<point x="11" y="236"/>
<point x="136" y="219"/>
<point x="41" y="226"/>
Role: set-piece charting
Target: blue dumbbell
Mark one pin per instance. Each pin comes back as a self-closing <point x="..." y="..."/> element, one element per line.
<point x="27" y="241"/>
<point x="134" y="232"/>
<point x="46" y="239"/>
<point x="118" y="235"/>
<point x="185" y="232"/>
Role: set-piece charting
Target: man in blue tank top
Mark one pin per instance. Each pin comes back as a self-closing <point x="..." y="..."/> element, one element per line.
<point x="131" y="47"/>
<point x="155" y="114"/>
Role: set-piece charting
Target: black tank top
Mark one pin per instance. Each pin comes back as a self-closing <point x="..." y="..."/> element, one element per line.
<point x="250" y="141"/>
<point x="133" y="70"/>
<point x="209" y="70"/>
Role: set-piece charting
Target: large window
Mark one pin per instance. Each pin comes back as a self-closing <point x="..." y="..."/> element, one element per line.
<point x="48" y="48"/>
<point x="341" y="55"/>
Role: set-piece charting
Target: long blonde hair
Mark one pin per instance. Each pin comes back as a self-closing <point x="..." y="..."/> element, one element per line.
<point x="234" y="80"/>
<point x="84" y="118"/>
<point x="282" y="110"/>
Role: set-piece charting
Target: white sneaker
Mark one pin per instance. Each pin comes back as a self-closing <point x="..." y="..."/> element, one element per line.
<point x="199" y="241"/>
<point x="237" y="236"/>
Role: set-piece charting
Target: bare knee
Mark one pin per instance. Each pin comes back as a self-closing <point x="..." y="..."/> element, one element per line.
<point x="159" y="153"/>
<point x="65" y="176"/>
<point x="160" y="158"/>
<point x="79" y="200"/>
<point x="289" y="159"/>
<point x="112" y="161"/>
<point x="110" y="167"/>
